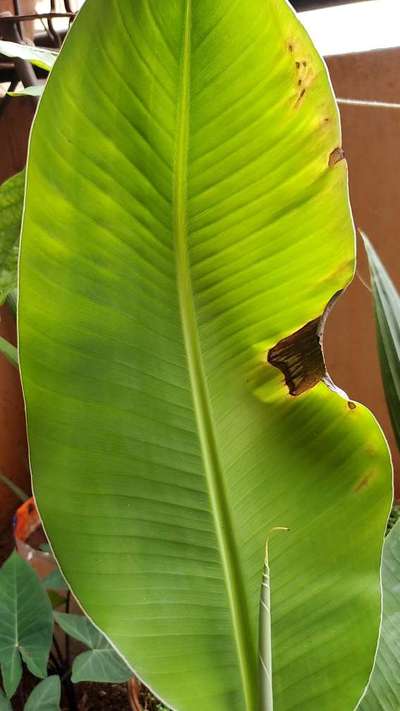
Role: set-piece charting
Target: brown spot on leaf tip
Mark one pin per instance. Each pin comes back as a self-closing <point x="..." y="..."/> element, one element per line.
<point x="290" y="47"/>
<point x="336" y="156"/>
<point x="351" y="405"/>
<point x="300" y="82"/>
<point x="304" y="64"/>
<point x="298" y="65"/>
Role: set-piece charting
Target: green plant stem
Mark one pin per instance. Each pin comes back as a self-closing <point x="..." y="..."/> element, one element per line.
<point x="57" y="649"/>
<point x="70" y="691"/>
<point x="56" y="663"/>
<point x="13" y="487"/>
<point x="65" y="666"/>
<point x="67" y="644"/>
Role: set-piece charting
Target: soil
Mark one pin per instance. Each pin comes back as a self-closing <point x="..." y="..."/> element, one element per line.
<point x="90" y="697"/>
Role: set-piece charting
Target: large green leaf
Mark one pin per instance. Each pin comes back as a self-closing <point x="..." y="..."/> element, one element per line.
<point x="387" y="312"/>
<point x="11" y="203"/>
<point x="185" y="217"/>
<point x="383" y="693"/>
<point x="25" y="622"/>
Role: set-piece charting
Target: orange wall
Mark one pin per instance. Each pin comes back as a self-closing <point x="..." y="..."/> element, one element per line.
<point x="13" y="446"/>
<point x="14" y="128"/>
<point x="371" y="141"/>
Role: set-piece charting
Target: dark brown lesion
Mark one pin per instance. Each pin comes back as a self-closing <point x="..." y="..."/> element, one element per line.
<point x="300" y="96"/>
<point x="336" y="156"/>
<point x="300" y="356"/>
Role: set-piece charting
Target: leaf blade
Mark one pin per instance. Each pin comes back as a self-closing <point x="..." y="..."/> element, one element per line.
<point x="35" y="90"/>
<point x="80" y="628"/>
<point x="26" y="621"/>
<point x="46" y="695"/>
<point x="43" y="58"/>
<point x="4" y="702"/>
<point x="267" y="218"/>
<point x="102" y="663"/>
<point x="11" y="203"/>
<point x="9" y="351"/>
<point x="387" y="313"/>
<point x="383" y="691"/>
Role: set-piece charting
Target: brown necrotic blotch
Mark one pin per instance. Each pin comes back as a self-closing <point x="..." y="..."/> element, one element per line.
<point x="300" y="356"/>
<point x="336" y="156"/>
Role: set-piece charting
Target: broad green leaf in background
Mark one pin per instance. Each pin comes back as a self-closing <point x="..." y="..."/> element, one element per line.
<point x="55" y="599"/>
<point x="4" y="702"/>
<point x="101" y="663"/>
<point x="383" y="693"/>
<point x="25" y="623"/>
<point x="43" y="58"/>
<point x="45" y="696"/>
<point x="9" y="351"/>
<point x="387" y="312"/>
<point x="54" y="581"/>
<point x="79" y="628"/>
<point x="45" y="547"/>
<point x="182" y="220"/>
<point x="11" y="301"/>
<point x="36" y="90"/>
<point x="394" y="516"/>
<point x="11" y="204"/>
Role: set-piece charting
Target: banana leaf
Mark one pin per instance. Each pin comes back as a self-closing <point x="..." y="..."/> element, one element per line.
<point x="186" y="225"/>
<point x="383" y="692"/>
<point x="387" y="313"/>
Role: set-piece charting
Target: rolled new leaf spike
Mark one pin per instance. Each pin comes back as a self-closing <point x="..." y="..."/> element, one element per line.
<point x="265" y="635"/>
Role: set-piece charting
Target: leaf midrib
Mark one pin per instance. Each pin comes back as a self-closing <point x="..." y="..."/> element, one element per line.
<point x="202" y="409"/>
